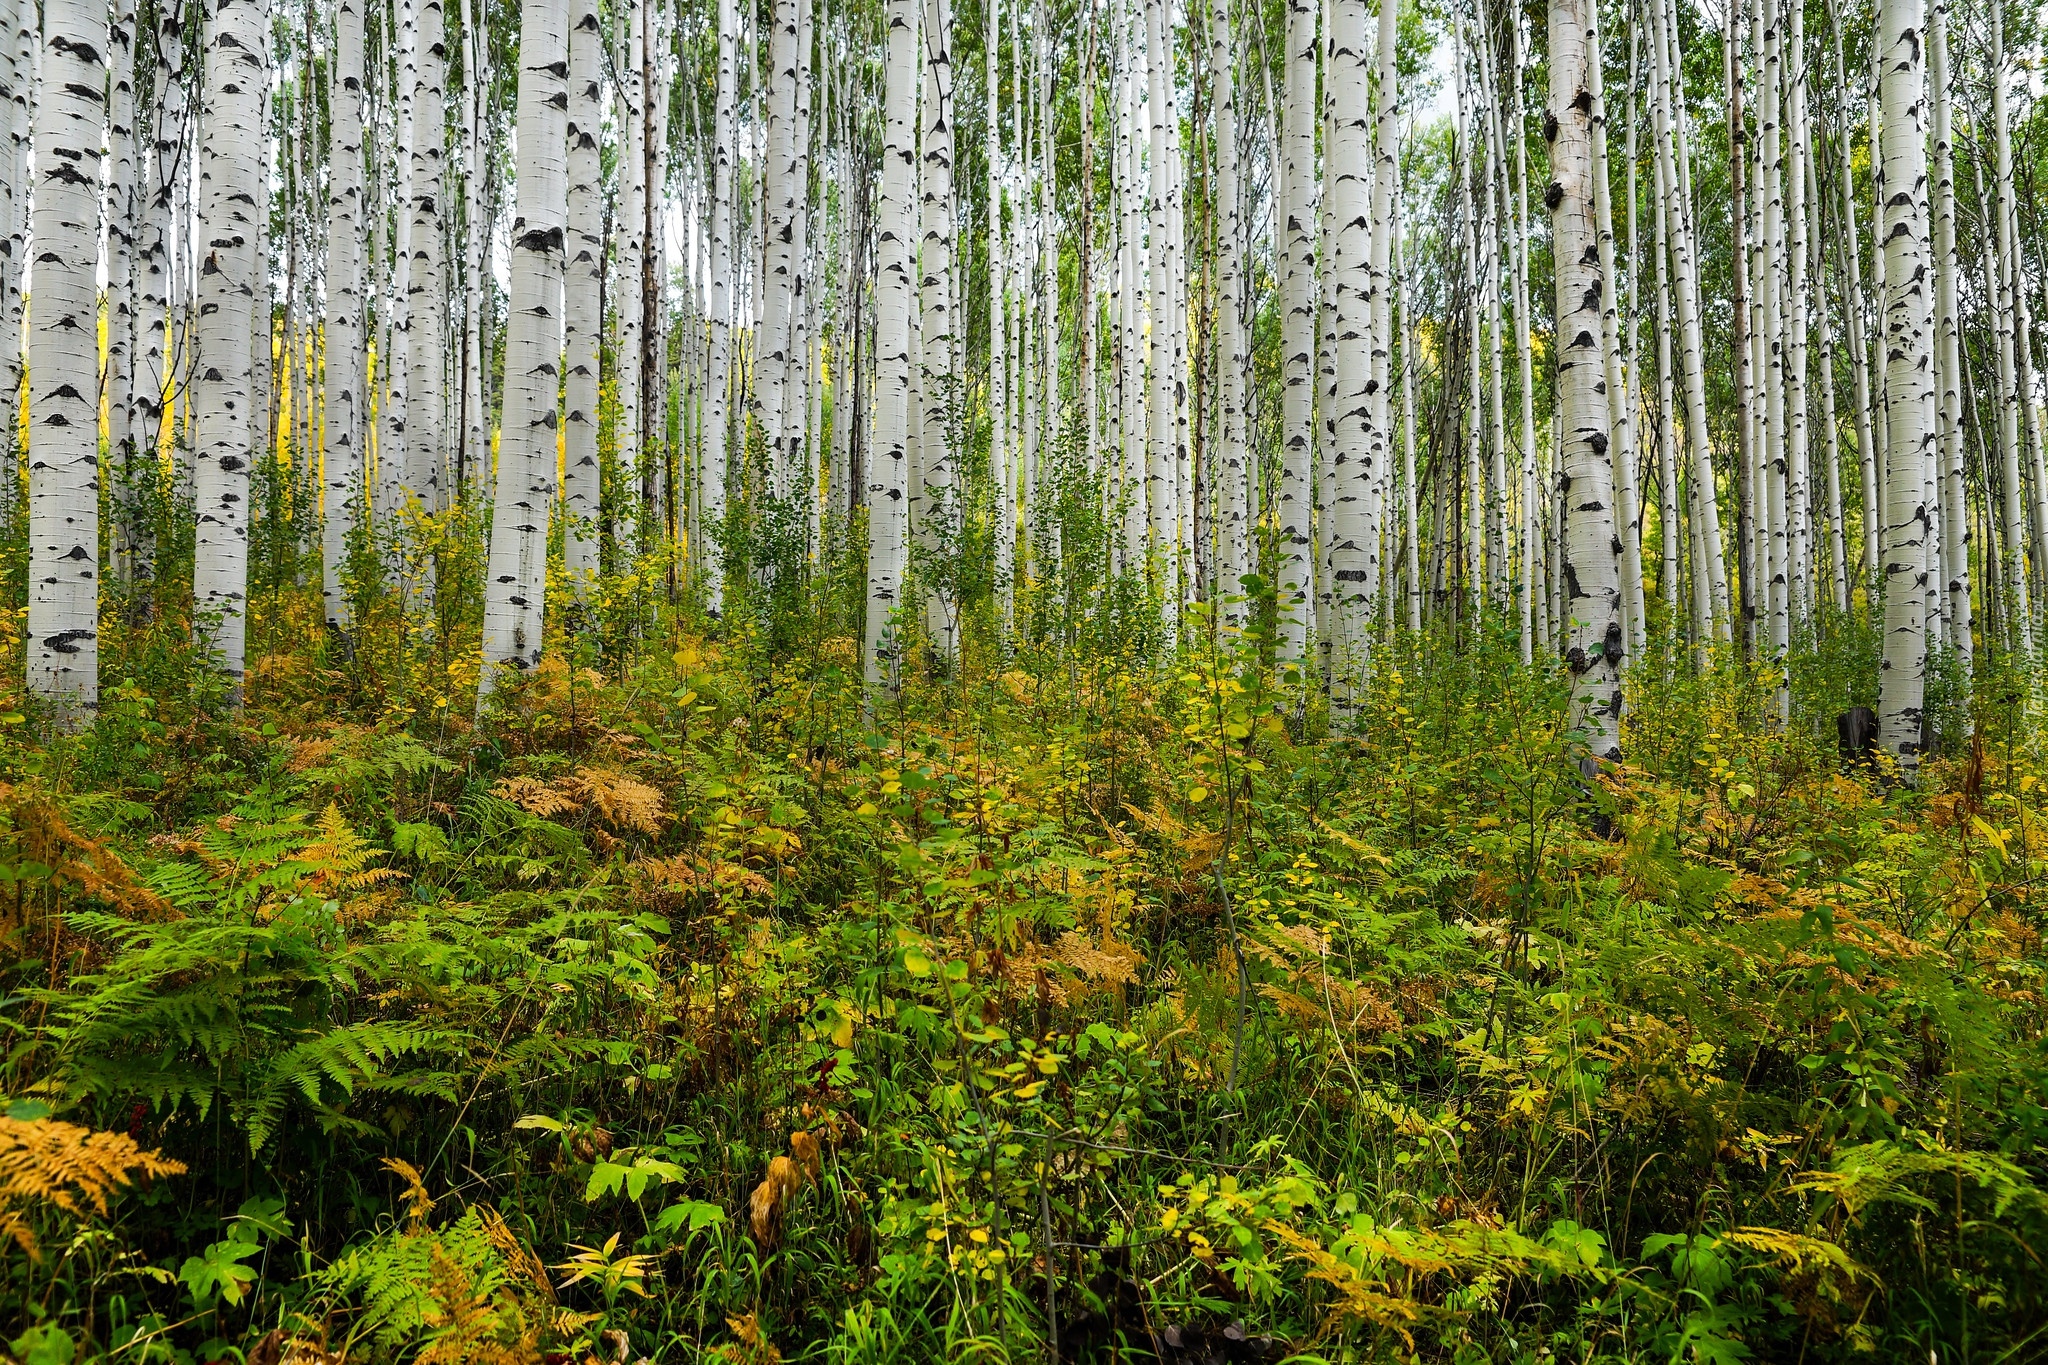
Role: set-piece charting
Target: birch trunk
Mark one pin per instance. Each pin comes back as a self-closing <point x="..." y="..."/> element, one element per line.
<point x="1356" y="444"/>
<point x="718" y="383"/>
<point x="887" y="472"/>
<point x="515" y="587"/>
<point x="1592" y="630"/>
<point x="1909" y="376"/>
<point x="939" y="528"/>
<point x="1234" y="551"/>
<point x="1955" y="570"/>
<point x="426" y="308"/>
<point x="343" y="469"/>
<point x="582" y="301"/>
<point x="231" y="306"/>
<point x="1293" y="572"/>
<point x="1686" y="290"/>
<point x="63" y="471"/>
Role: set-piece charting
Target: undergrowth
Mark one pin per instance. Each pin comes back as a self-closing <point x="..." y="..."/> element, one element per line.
<point x="695" y="1005"/>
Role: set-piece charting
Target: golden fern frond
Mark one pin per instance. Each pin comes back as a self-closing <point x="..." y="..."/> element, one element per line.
<point x="68" y="1167"/>
<point x="415" y="1188"/>
<point x="534" y="796"/>
<point x="623" y="802"/>
<point x="1360" y="1298"/>
<point x="45" y="837"/>
<point x="340" y="858"/>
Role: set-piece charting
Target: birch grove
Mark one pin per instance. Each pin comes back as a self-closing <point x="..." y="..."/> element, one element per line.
<point x="1312" y="331"/>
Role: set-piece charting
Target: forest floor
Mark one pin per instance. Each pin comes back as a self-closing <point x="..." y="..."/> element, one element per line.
<point x="686" y="1007"/>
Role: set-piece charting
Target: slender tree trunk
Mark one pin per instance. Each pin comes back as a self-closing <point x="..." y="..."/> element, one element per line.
<point x="1293" y="573"/>
<point x="1955" y="571"/>
<point x="515" y="587"/>
<point x="231" y="299"/>
<point x="582" y="291"/>
<point x="63" y="604"/>
<point x="718" y="384"/>
<point x="1909" y="355"/>
<point x="426" y="308"/>
<point x="1590" y="568"/>
<point x="342" y="501"/>
<point x="888" y="472"/>
<point x="939" y="530"/>
<point x="1672" y="180"/>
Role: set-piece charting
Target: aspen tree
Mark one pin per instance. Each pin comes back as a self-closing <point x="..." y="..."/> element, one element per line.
<point x="1002" y="472"/>
<point x="629" y="224"/>
<point x="1909" y="376"/>
<point x="888" y="472"/>
<point x="719" y="381"/>
<point x="515" y="585"/>
<point x="132" y="472"/>
<point x="426" y="308"/>
<point x="1672" y="185"/>
<point x="63" y="408"/>
<point x="1593" y="630"/>
<point x="1293" y="573"/>
<point x="1954" y="572"/>
<point x="27" y="44"/>
<point x="1404" y="327"/>
<point x="1850" y="257"/>
<point x="941" y="516"/>
<point x="228" y="296"/>
<point x="1349" y="567"/>
<point x="342" y="504"/>
<point x="1233" y="469"/>
<point x="582" y="291"/>
<point x="1621" y="423"/>
<point x="1161" y="481"/>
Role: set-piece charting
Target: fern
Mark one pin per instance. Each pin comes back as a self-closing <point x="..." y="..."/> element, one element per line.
<point x="66" y="1167"/>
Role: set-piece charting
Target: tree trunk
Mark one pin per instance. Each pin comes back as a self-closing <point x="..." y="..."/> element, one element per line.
<point x="343" y="469"/>
<point x="232" y="307"/>
<point x="1909" y="377"/>
<point x="63" y="604"/>
<point x="888" y="467"/>
<point x="583" y="281"/>
<point x="515" y="588"/>
<point x="1590" y="569"/>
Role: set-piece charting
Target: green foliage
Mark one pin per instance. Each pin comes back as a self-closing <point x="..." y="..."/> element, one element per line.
<point x="686" y="998"/>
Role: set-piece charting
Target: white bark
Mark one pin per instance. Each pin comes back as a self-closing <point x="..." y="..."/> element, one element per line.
<point x="1909" y="376"/>
<point x="515" y="587"/>
<point x="1358" y="438"/>
<point x="232" y="307"/>
<point x="342" y="498"/>
<point x="63" y="416"/>
<point x="1293" y="574"/>
<point x="1235" y="551"/>
<point x="1685" y="280"/>
<point x="939" y="522"/>
<point x="131" y="472"/>
<point x="1955" y="540"/>
<point x="887" y="472"/>
<point x="719" y="380"/>
<point x="426" y="308"/>
<point x="1593" y="630"/>
<point x="582" y="289"/>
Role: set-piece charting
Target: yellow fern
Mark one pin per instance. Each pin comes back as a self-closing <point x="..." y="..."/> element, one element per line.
<point x="44" y="1161"/>
<point x="340" y="858"/>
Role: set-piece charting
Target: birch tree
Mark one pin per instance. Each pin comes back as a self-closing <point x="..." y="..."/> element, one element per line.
<point x="515" y="585"/>
<point x="1909" y="376"/>
<point x="63" y="411"/>
<point x="888" y="471"/>
<point x="582" y="294"/>
<point x="232" y="223"/>
<point x="1593" y="629"/>
<point x="342" y="504"/>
